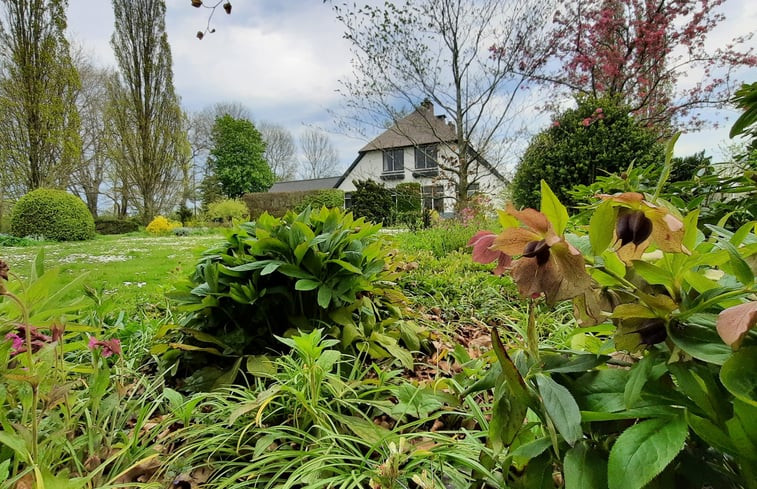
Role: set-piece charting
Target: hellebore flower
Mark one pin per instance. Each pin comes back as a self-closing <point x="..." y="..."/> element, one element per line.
<point x="18" y="337"/>
<point x="108" y="347"/>
<point x="640" y="224"/>
<point x="18" y="343"/>
<point x="548" y="264"/>
<point x="482" y="252"/>
<point x="735" y="322"/>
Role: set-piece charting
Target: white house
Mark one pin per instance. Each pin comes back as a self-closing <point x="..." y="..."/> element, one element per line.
<point x="409" y="151"/>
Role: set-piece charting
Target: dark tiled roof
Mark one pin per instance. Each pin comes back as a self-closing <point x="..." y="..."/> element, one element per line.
<point x="302" y="185"/>
<point x="420" y="127"/>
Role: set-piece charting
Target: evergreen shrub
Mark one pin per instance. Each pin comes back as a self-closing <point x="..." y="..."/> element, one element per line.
<point x="54" y="214"/>
<point x="595" y="139"/>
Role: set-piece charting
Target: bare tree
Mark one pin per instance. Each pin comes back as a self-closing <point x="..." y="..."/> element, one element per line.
<point x="39" y="139"/>
<point x="319" y="158"/>
<point x="91" y="101"/>
<point x="280" y="150"/>
<point x="149" y="142"/>
<point x="439" y="50"/>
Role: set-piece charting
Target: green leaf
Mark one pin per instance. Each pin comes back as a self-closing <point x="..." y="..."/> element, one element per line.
<point x="653" y="274"/>
<point x="324" y="296"/>
<point x="342" y="316"/>
<point x="551" y="207"/>
<point x="15" y="443"/>
<point x="701" y="342"/>
<point x="261" y="366"/>
<point x="347" y="266"/>
<point x="642" y="451"/>
<point x="601" y="226"/>
<point x="294" y="271"/>
<point x="739" y="375"/>
<point x="739" y="267"/>
<point x="306" y="284"/>
<point x="638" y="376"/>
<point x="508" y="413"/>
<point x="271" y="267"/>
<point x="584" y="468"/>
<point x="561" y="408"/>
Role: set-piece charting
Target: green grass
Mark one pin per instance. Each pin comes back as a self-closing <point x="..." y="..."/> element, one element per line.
<point x="134" y="271"/>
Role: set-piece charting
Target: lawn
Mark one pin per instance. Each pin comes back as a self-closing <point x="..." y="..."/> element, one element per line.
<point x="135" y="270"/>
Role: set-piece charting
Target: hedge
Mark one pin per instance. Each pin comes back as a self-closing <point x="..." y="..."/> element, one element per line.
<point x="109" y="225"/>
<point x="54" y="214"/>
<point x="278" y="203"/>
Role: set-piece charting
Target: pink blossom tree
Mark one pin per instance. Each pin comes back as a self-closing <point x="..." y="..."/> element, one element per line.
<point x="654" y="54"/>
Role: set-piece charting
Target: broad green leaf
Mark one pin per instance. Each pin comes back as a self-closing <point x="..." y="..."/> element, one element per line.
<point x="561" y="408"/>
<point x="551" y="207"/>
<point x="738" y="266"/>
<point x="601" y="226"/>
<point x="347" y="266"/>
<point x="642" y="451"/>
<point x="261" y="366"/>
<point x="690" y="229"/>
<point x="294" y="271"/>
<point x="306" y="284"/>
<point x="324" y="296"/>
<point x="508" y="413"/>
<point x="342" y="316"/>
<point x="653" y="274"/>
<point x="532" y="449"/>
<point x="271" y="267"/>
<point x="710" y="433"/>
<point x="15" y="443"/>
<point x="739" y="375"/>
<point x="666" y="167"/>
<point x="638" y="376"/>
<point x="701" y="342"/>
<point x="506" y="220"/>
<point x="584" y="468"/>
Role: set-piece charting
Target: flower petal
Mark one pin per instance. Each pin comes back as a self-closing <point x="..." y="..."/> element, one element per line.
<point x="735" y="322"/>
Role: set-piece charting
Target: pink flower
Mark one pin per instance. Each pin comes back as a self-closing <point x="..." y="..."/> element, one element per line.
<point x="598" y="111"/>
<point x="556" y="124"/>
<point x="108" y="347"/>
<point x="586" y="122"/>
<point x="18" y="342"/>
<point x="482" y="252"/>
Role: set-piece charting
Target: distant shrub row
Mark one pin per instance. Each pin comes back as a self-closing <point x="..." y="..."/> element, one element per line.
<point x="277" y="204"/>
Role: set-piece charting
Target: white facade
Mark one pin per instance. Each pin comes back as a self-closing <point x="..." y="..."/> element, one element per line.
<point x="370" y="165"/>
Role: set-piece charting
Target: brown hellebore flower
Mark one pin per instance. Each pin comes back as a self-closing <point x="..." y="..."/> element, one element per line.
<point x="482" y="253"/>
<point x="548" y="264"/>
<point x="641" y="223"/>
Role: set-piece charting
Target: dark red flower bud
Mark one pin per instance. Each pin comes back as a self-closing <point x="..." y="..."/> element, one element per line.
<point x="538" y="250"/>
<point x="227" y="7"/>
<point x="633" y="227"/>
<point x="652" y="331"/>
<point x="200" y="35"/>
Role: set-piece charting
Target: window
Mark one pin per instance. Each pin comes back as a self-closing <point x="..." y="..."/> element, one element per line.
<point x="347" y="200"/>
<point x="425" y="156"/>
<point x="394" y="160"/>
<point x="473" y="189"/>
<point x="433" y="197"/>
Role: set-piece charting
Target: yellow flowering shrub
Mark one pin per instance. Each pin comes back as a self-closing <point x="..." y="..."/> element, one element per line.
<point x="161" y="225"/>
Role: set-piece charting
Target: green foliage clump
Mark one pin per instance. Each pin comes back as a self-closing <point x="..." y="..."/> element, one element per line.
<point x="54" y="214"/>
<point x="274" y="276"/>
<point x="227" y="210"/>
<point x="328" y="197"/>
<point x="447" y="237"/>
<point x="237" y="157"/>
<point x="408" y="197"/>
<point x="373" y="201"/>
<point x="582" y="144"/>
<point x="106" y="225"/>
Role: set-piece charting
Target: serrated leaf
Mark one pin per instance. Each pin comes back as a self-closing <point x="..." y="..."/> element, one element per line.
<point x="561" y="408"/>
<point x="644" y="450"/>
<point x="551" y="207"/>
<point x="638" y="376"/>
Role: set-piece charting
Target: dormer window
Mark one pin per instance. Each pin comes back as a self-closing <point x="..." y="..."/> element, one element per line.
<point x="394" y="160"/>
<point x="425" y="157"/>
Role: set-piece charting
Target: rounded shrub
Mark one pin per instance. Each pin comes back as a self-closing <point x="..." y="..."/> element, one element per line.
<point x="161" y="225"/>
<point x="594" y="139"/>
<point x="225" y="211"/>
<point x="54" y="214"/>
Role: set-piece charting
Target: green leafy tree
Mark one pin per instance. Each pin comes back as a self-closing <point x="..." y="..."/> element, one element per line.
<point x="39" y="123"/>
<point x="149" y="142"/>
<point x="594" y="139"/>
<point x="237" y="158"/>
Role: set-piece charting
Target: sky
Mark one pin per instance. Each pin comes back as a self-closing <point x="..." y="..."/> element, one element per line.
<point x="283" y="60"/>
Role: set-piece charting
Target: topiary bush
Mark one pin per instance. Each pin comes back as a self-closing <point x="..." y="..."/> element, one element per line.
<point x="594" y="139"/>
<point x="54" y="214"/>
<point x="274" y="276"/>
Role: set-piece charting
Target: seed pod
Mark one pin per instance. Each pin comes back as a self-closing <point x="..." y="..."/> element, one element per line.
<point x="633" y="227"/>
<point x="227" y="7"/>
<point x="537" y="249"/>
<point x="652" y="331"/>
<point x="200" y="35"/>
<point x="197" y="3"/>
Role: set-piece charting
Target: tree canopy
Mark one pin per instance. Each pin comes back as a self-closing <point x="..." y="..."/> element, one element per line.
<point x="237" y="159"/>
